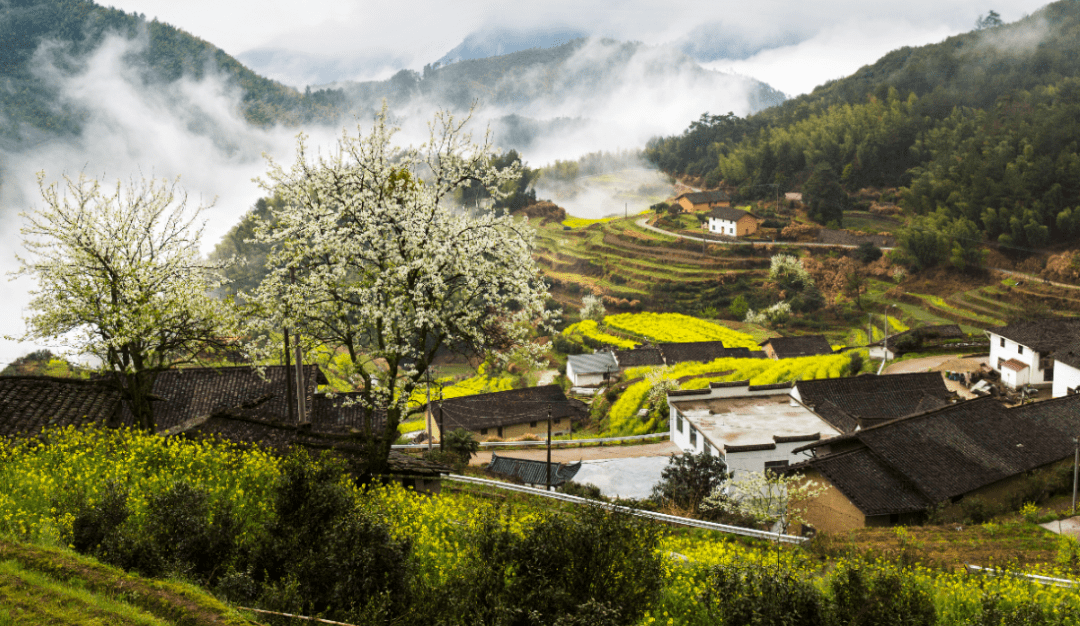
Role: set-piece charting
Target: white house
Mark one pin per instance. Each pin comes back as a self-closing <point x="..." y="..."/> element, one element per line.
<point x="1067" y="371"/>
<point x="590" y="370"/>
<point x="732" y="222"/>
<point x="753" y="427"/>
<point x="1022" y="352"/>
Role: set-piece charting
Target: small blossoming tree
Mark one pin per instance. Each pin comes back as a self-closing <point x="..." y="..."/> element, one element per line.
<point x="120" y="279"/>
<point x="767" y="497"/>
<point x="368" y="258"/>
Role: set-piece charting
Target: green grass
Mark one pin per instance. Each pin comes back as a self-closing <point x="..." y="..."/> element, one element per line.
<point x="41" y="585"/>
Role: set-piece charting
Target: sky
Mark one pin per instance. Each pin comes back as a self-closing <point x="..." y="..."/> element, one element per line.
<point x="191" y="129"/>
<point x="828" y="39"/>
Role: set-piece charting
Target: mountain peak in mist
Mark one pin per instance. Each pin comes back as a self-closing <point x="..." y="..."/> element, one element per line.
<point x="719" y="40"/>
<point x="501" y="41"/>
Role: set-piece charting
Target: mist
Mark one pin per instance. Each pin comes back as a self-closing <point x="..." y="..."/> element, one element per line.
<point x="188" y="129"/>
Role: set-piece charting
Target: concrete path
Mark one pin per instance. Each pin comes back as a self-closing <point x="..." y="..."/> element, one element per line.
<point x="591" y="453"/>
<point x="1069" y="526"/>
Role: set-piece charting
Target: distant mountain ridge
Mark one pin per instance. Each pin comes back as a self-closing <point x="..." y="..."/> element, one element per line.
<point x="502" y="41"/>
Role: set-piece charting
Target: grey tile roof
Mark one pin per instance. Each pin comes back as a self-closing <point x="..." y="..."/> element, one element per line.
<point x="30" y="403"/>
<point x="506" y="408"/>
<point x="847" y="403"/>
<point x="640" y="356"/>
<point x="791" y="347"/>
<point x="950" y="452"/>
<point x="1043" y="335"/>
<point x="1069" y="355"/>
<point x="728" y="213"/>
<point x="596" y="363"/>
<point x="532" y="472"/>
<point x="705" y="197"/>
<point x="702" y="351"/>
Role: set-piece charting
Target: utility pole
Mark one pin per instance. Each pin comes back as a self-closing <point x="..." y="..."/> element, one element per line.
<point x="1076" y="466"/>
<point x="301" y="400"/>
<point x="427" y="409"/>
<point x="289" y="402"/>
<point x="549" y="450"/>
<point x="442" y="430"/>
<point x="703" y="238"/>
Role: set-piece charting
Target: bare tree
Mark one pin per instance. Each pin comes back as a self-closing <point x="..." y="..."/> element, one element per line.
<point x="120" y="279"/>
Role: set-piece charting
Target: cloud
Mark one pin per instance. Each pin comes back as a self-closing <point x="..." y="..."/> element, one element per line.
<point x="191" y="129"/>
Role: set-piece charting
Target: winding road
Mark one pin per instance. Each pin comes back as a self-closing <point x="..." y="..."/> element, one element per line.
<point x="644" y="223"/>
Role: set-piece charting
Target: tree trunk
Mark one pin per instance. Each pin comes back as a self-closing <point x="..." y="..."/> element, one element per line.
<point x="135" y="390"/>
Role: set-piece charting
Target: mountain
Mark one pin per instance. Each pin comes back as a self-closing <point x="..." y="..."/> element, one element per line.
<point x="980" y="132"/>
<point x="498" y="42"/>
<point x="43" y="37"/>
<point x="718" y="40"/>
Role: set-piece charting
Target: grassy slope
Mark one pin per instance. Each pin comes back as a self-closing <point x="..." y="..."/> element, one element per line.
<point x="52" y="586"/>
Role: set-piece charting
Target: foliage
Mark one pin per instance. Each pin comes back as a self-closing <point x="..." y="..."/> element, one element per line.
<point x="752" y="596"/>
<point x="776" y="315"/>
<point x="766" y="497"/>
<point x="739" y="307"/>
<point x="462" y="443"/>
<point x="678" y="328"/>
<point x="513" y="195"/>
<point x="120" y="279"/>
<point x="867" y="252"/>
<point x="44" y="363"/>
<point x="368" y="257"/>
<point x="824" y="195"/>
<point x="869" y="596"/>
<point x="689" y="478"/>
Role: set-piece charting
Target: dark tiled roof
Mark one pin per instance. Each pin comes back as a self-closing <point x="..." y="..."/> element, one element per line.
<point x="700" y="351"/>
<point x="728" y="213"/>
<point x="791" y="347"/>
<point x="282" y="437"/>
<point x="532" y="472"/>
<point x="505" y="408"/>
<point x="869" y="483"/>
<point x="596" y="363"/>
<point x="343" y="413"/>
<point x="795" y="438"/>
<point x="863" y="400"/>
<point x="195" y="392"/>
<point x="1044" y="335"/>
<point x="951" y="452"/>
<point x="1069" y="355"/>
<point x="786" y="385"/>
<point x="30" y="403"/>
<point x="753" y="447"/>
<point x="644" y="355"/>
<point x="705" y="197"/>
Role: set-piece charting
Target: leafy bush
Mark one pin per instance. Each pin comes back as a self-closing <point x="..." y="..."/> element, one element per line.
<point x="582" y="490"/>
<point x="461" y="443"/>
<point x="866" y="252"/>
<point x="879" y="596"/>
<point x="753" y="596"/>
<point x="689" y="478"/>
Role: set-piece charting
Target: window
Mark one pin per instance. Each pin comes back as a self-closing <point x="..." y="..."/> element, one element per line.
<point x="775" y="465"/>
<point x="1001" y="362"/>
<point x="693" y="437"/>
<point x="500" y="431"/>
<point x="1019" y="349"/>
<point x="1002" y="342"/>
<point x="678" y="423"/>
<point x="483" y="431"/>
<point x="532" y="424"/>
<point x="557" y="420"/>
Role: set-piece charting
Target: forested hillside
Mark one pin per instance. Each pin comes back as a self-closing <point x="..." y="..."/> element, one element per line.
<point x="61" y="33"/>
<point x="979" y="131"/>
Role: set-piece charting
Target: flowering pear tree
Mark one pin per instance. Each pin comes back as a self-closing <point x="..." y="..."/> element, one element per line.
<point x="369" y="258"/>
<point x="119" y="278"/>
<point x="767" y="497"/>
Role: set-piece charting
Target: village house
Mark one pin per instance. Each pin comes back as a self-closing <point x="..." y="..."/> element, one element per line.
<point x="675" y="353"/>
<point x="753" y="427"/>
<point x="591" y="370"/>
<point x="894" y="472"/>
<point x="792" y="347"/>
<point x="702" y="200"/>
<point x="507" y="414"/>
<point x="530" y="472"/>
<point x="233" y="403"/>
<point x="1023" y="352"/>
<point x="732" y="222"/>
<point x="855" y="402"/>
<point x="1067" y="370"/>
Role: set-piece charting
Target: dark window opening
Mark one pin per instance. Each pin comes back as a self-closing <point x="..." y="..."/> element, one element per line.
<point x="483" y="431"/>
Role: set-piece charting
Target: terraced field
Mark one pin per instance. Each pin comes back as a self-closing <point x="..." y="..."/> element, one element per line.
<point x="619" y="259"/>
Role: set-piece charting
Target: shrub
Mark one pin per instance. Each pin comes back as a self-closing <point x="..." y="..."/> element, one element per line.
<point x="867" y="253"/>
<point x="462" y="443"/>
<point x="976" y="510"/>
<point x="752" y="596"/>
<point x="873" y="596"/>
<point x="582" y="490"/>
<point x="689" y="478"/>
<point x="95" y="527"/>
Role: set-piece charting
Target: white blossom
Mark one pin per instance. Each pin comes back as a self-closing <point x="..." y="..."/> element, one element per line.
<point x="767" y="497"/>
<point x="120" y="279"/>
<point x="367" y="256"/>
